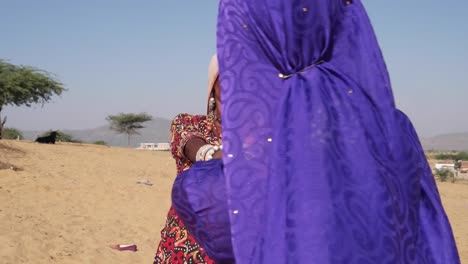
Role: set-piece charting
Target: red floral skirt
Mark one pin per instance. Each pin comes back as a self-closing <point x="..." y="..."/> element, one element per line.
<point x="178" y="245"/>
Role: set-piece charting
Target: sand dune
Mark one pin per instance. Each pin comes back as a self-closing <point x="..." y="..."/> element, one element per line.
<point x="67" y="203"/>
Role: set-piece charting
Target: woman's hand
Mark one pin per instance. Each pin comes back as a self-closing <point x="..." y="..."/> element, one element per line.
<point x="218" y="155"/>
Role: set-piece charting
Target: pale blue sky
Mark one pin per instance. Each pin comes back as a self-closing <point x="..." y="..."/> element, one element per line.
<point x="152" y="55"/>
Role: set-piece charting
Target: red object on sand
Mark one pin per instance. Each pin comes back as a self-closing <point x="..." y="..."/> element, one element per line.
<point x="125" y="247"/>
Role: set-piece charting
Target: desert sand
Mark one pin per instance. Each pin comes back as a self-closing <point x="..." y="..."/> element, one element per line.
<point x="67" y="203"/>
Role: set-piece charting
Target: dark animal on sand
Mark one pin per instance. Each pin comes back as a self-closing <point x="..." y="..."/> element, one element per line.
<point x="50" y="139"/>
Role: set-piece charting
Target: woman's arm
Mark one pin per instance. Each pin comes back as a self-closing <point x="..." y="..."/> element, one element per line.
<point x="186" y="138"/>
<point x="192" y="147"/>
<point x="184" y="128"/>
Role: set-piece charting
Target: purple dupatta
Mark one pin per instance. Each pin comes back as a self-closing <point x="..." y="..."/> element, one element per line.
<point x="320" y="166"/>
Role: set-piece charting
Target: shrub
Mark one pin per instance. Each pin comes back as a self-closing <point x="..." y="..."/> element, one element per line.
<point x="444" y="175"/>
<point x="452" y="156"/>
<point x="12" y="133"/>
<point x="100" y="142"/>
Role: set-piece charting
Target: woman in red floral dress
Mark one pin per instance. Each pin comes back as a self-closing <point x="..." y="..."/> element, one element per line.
<point x="188" y="134"/>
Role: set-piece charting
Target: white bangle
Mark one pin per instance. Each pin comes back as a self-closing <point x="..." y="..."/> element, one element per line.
<point x="209" y="154"/>
<point x="206" y="152"/>
<point x="215" y="149"/>
<point x="203" y="151"/>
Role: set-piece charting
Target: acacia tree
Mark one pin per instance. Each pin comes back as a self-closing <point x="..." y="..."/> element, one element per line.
<point x="24" y="86"/>
<point x="128" y="123"/>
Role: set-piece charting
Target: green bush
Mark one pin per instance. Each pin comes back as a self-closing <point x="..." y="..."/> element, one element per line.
<point x="452" y="156"/>
<point x="12" y="133"/>
<point x="100" y="142"/>
<point x="444" y="175"/>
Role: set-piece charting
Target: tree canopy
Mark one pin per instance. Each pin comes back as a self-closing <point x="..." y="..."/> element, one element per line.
<point x="128" y="123"/>
<point x="24" y="86"/>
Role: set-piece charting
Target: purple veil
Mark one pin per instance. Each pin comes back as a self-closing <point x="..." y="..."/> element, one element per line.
<point x="320" y="166"/>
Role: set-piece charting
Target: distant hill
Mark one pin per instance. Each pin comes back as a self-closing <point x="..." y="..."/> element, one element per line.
<point x="447" y="142"/>
<point x="158" y="131"/>
<point x="155" y="131"/>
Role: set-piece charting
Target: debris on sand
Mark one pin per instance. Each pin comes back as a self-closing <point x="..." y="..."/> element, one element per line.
<point x="132" y="247"/>
<point x="145" y="182"/>
<point x="8" y="166"/>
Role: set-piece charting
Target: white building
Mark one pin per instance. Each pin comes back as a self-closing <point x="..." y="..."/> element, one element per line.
<point x="448" y="165"/>
<point x="155" y="146"/>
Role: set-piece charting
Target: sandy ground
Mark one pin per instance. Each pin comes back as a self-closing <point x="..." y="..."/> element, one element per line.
<point x="67" y="203"/>
<point x="71" y="202"/>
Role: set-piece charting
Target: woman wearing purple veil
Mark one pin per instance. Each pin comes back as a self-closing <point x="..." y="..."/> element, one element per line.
<point x="320" y="166"/>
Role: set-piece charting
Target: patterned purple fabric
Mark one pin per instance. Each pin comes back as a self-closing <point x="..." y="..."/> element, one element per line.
<point x="320" y="167"/>
<point x="199" y="198"/>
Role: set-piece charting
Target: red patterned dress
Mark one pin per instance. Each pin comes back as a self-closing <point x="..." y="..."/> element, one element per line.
<point x="177" y="244"/>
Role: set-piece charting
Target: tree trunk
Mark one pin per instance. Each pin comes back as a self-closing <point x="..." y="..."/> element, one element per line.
<point x="2" y="122"/>
<point x="128" y="140"/>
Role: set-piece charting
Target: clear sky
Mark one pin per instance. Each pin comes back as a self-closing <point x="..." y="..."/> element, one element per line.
<point x="152" y="56"/>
